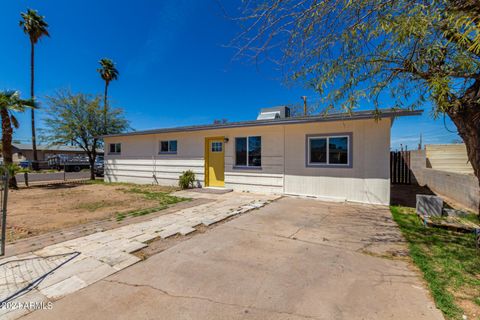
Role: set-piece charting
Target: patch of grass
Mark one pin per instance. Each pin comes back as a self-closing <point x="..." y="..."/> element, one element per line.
<point x="154" y="193"/>
<point x="472" y="217"/>
<point x="160" y="194"/>
<point x="102" y="182"/>
<point x="477" y="301"/>
<point x="137" y="213"/>
<point x="121" y="216"/>
<point x="94" y="206"/>
<point x="163" y="198"/>
<point x="449" y="261"/>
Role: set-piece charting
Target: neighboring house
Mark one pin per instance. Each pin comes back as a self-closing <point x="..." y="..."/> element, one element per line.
<point x="24" y="152"/>
<point x="338" y="156"/>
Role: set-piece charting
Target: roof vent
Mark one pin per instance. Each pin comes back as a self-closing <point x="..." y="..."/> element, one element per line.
<point x="274" y="113"/>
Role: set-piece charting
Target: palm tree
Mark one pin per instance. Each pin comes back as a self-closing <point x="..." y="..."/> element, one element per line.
<point x="108" y="72"/>
<point x="10" y="101"/>
<point x="35" y="27"/>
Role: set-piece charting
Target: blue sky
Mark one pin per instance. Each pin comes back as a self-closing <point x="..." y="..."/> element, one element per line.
<point x="174" y="66"/>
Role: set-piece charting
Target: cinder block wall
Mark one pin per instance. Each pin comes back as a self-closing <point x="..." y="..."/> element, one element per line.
<point x="448" y="157"/>
<point x="461" y="188"/>
<point x="418" y="162"/>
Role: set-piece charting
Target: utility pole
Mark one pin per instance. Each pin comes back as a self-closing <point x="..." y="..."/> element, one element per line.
<point x="304" y="98"/>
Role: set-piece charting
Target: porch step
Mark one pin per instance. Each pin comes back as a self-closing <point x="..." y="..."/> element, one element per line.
<point x="213" y="190"/>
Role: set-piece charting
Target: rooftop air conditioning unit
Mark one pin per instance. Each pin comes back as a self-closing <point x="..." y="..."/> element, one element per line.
<point x="274" y="113"/>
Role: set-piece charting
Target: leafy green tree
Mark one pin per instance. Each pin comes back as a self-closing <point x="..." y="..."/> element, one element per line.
<point x="10" y="102"/>
<point x="418" y="52"/>
<point x="108" y="72"/>
<point x="35" y="27"/>
<point x="78" y="118"/>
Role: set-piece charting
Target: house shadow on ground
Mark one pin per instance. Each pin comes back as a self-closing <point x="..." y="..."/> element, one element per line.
<point x="405" y="194"/>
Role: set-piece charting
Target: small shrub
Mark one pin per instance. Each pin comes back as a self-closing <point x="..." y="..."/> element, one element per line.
<point x="12" y="169"/>
<point x="187" y="179"/>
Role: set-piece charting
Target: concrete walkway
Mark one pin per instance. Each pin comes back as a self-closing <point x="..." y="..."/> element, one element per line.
<point x="35" y="243"/>
<point x="61" y="269"/>
<point x="292" y="259"/>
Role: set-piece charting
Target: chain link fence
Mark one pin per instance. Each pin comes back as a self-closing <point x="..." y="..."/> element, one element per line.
<point x="32" y="179"/>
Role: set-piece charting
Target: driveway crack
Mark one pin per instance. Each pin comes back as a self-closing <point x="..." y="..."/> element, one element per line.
<point x="295" y="233"/>
<point x="313" y="243"/>
<point x="208" y="299"/>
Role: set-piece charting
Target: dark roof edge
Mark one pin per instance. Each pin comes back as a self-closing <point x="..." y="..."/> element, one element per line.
<point x="359" y="115"/>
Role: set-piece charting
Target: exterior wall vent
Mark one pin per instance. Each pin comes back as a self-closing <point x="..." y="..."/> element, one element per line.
<point x="274" y="113"/>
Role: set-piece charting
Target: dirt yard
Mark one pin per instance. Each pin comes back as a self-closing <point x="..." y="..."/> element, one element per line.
<point x="41" y="209"/>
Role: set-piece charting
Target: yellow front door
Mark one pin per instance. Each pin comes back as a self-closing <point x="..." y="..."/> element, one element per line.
<point x="215" y="162"/>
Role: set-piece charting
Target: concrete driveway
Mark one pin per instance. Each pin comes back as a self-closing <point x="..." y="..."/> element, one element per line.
<point x="293" y="259"/>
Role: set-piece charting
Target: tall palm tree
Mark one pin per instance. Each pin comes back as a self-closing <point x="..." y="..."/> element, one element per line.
<point x="10" y="101"/>
<point x="35" y="27"/>
<point x="108" y="72"/>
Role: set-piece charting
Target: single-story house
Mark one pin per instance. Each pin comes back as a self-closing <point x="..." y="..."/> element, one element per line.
<point x="337" y="156"/>
<point x="24" y="151"/>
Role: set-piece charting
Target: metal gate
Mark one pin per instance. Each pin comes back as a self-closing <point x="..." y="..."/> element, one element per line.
<point x="400" y="167"/>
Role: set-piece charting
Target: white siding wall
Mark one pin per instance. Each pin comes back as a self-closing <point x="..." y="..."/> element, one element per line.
<point x="142" y="170"/>
<point x="140" y="159"/>
<point x="368" y="180"/>
<point x="283" y="161"/>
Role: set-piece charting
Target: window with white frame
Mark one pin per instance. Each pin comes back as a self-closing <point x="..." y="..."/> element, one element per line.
<point x="329" y="150"/>
<point x="168" y="146"/>
<point x="115" y="148"/>
<point x="248" y="151"/>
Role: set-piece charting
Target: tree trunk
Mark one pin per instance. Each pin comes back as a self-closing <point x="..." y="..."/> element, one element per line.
<point x="91" y="159"/>
<point x="7" y="153"/>
<point x="92" y="168"/>
<point x="105" y="108"/>
<point x="32" y="94"/>
<point x="467" y="120"/>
